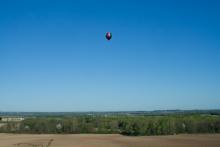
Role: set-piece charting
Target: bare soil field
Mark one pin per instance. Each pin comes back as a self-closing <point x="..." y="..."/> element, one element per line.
<point x="93" y="140"/>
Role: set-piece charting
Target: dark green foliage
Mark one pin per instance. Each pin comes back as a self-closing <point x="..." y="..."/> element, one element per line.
<point x="127" y="125"/>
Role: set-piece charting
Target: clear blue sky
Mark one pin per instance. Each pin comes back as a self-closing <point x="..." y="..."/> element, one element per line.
<point x="163" y="55"/>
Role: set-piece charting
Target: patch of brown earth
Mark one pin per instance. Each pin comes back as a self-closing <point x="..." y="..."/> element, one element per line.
<point x="114" y="140"/>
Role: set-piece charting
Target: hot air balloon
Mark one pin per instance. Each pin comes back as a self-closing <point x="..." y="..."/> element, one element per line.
<point x="108" y="35"/>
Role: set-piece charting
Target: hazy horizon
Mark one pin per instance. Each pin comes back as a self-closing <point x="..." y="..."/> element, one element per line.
<point x="108" y="111"/>
<point x="163" y="55"/>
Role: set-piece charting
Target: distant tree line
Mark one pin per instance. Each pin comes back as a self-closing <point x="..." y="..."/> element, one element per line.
<point x="127" y="125"/>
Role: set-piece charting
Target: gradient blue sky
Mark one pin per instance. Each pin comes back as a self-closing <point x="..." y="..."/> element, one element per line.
<point x="163" y="55"/>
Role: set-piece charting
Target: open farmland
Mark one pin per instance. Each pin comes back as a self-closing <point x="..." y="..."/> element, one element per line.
<point x="110" y="140"/>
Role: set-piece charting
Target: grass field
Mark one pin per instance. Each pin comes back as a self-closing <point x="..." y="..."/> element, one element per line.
<point x="91" y="140"/>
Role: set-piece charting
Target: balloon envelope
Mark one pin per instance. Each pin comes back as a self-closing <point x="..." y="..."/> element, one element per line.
<point x="108" y="35"/>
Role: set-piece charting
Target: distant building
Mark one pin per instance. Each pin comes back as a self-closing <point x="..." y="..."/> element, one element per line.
<point x="2" y="124"/>
<point x="11" y="119"/>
